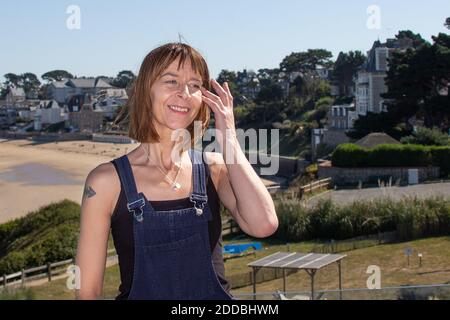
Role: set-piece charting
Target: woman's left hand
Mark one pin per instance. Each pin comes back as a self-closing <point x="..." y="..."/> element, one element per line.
<point x="222" y="107"/>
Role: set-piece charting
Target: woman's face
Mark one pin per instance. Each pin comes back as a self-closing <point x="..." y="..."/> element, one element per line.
<point x="176" y="97"/>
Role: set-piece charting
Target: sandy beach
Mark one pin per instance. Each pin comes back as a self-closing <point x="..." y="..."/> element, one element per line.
<point x="34" y="174"/>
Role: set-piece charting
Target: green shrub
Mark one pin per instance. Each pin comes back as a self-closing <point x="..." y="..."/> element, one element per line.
<point x="349" y="155"/>
<point x="49" y="234"/>
<point x="428" y="137"/>
<point x="17" y="294"/>
<point x="441" y="158"/>
<point x="392" y="155"/>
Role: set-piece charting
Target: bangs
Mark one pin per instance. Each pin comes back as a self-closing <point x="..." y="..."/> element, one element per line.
<point x="172" y="52"/>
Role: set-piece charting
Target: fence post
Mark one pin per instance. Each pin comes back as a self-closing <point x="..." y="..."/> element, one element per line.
<point x="4" y="280"/>
<point x="49" y="272"/>
<point x="23" y="277"/>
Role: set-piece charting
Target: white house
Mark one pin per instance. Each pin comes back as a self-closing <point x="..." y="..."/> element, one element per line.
<point x="62" y="91"/>
<point x="370" y="79"/>
<point x="15" y="96"/>
<point x="342" y="117"/>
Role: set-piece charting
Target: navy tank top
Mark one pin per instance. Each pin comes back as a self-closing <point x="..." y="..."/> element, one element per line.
<point x="122" y="233"/>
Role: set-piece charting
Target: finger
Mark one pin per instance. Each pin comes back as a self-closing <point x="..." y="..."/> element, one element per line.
<point x="221" y="92"/>
<point x="211" y="96"/>
<point x="211" y="104"/>
<point x="230" y="97"/>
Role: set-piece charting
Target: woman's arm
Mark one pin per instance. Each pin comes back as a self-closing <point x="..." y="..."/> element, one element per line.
<point x="244" y="195"/>
<point x="94" y="232"/>
<point x="240" y="189"/>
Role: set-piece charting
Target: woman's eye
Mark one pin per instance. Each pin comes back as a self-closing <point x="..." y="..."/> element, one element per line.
<point x="171" y="81"/>
<point x="197" y="86"/>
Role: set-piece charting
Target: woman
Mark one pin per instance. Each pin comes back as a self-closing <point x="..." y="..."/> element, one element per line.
<point x="161" y="200"/>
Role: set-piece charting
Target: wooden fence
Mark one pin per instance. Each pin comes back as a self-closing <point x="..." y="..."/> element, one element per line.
<point x="46" y="271"/>
<point x="298" y="193"/>
<point x="229" y="226"/>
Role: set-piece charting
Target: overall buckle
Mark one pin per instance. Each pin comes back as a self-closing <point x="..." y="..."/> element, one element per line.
<point x="196" y="198"/>
<point x="132" y="206"/>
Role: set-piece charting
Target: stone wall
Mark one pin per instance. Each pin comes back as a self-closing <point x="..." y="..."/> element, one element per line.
<point x="334" y="137"/>
<point x="287" y="166"/>
<point x="347" y="176"/>
<point x="97" y="137"/>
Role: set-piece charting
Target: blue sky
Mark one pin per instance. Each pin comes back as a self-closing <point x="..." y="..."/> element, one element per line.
<point x="230" y="34"/>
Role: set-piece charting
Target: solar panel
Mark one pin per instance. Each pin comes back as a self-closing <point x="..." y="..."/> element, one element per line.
<point x="296" y="260"/>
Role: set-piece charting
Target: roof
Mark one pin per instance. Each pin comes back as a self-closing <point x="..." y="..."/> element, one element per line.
<point x="103" y="84"/>
<point x="296" y="260"/>
<point x="375" y="139"/>
<point x="392" y="44"/>
<point x="89" y="83"/>
<point x="59" y="84"/>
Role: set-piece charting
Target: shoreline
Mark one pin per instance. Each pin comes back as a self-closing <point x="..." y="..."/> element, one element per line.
<point x="69" y="161"/>
<point x="73" y="159"/>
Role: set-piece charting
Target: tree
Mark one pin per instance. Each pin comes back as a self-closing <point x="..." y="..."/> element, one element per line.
<point x="373" y="122"/>
<point x="225" y="75"/>
<point x="447" y="23"/>
<point x="418" y="81"/>
<point x="30" y="83"/>
<point x="429" y="137"/>
<point x="12" y="79"/>
<point x="345" y="69"/>
<point x="230" y="77"/>
<point x="124" y="79"/>
<point x="307" y="61"/>
<point x="56" y="75"/>
<point x="270" y="93"/>
<point x="415" y="37"/>
<point x="268" y="76"/>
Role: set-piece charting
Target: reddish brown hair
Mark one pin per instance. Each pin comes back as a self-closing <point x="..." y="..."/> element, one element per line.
<point x="139" y="106"/>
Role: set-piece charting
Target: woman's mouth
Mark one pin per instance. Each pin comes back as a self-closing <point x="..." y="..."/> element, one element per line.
<point x="178" y="109"/>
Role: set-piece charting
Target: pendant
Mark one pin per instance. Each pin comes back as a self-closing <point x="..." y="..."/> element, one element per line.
<point x="198" y="211"/>
<point x="176" y="186"/>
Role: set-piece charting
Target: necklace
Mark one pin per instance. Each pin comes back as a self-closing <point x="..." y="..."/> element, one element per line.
<point x="174" y="184"/>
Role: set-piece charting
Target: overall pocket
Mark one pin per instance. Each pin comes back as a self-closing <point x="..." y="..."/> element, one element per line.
<point x="176" y="270"/>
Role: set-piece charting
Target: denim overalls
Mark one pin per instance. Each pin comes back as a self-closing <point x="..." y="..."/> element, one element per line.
<point x="172" y="252"/>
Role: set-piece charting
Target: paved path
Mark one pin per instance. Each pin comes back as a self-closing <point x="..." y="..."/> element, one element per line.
<point x="396" y="193"/>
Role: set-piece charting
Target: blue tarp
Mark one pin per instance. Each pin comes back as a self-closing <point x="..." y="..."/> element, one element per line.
<point x="239" y="248"/>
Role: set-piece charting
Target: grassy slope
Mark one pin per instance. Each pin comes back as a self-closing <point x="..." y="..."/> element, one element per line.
<point x="390" y="258"/>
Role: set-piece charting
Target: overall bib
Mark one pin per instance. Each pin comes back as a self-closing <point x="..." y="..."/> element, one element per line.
<point x="172" y="252"/>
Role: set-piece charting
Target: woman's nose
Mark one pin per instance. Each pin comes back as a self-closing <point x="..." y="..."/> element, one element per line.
<point x="184" y="91"/>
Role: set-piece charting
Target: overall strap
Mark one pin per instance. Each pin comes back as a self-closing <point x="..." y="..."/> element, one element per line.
<point x="198" y="196"/>
<point x="135" y="201"/>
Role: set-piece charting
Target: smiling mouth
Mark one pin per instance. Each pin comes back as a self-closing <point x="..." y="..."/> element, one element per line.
<point x="178" y="109"/>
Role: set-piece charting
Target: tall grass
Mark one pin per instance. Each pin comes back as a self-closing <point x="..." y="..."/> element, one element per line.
<point x="411" y="218"/>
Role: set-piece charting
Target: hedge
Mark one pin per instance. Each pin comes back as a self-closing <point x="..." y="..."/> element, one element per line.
<point x="392" y="155"/>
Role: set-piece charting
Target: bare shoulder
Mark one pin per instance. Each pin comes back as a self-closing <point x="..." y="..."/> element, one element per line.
<point x="215" y="163"/>
<point x="103" y="182"/>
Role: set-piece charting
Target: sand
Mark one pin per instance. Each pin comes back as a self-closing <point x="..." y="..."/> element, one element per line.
<point x="34" y="174"/>
<point x="67" y="163"/>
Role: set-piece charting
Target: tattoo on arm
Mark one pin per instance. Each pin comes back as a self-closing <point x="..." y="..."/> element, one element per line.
<point x="89" y="192"/>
